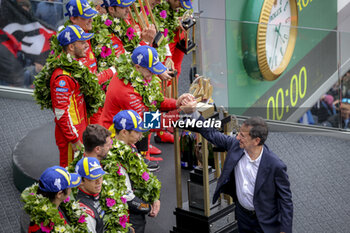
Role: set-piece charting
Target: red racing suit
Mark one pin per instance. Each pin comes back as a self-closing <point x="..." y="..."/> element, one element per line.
<point x="117" y="44"/>
<point x="123" y="97"/>
<point x="90" y="62"/>
<point x="69" y="107"/>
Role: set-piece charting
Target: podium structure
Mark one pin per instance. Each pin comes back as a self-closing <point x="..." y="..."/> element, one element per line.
<point x="198" y="214"/>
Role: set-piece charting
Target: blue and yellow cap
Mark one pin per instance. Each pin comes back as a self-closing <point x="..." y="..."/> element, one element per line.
<point x="90" y="168"/>
<point x="71" y="34"/>
<point x="56" y="178"/>
<point x="80" y="8"/>
<point x="147" y="57"/>
<point x="187" y="4"/>
<point x="121" y="3"/>
<point x="129" y="120"/>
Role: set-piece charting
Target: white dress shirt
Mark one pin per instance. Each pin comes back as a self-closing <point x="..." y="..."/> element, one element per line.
<point x="245" y="177"/>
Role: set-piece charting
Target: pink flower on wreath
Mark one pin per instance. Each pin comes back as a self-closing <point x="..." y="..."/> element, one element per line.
<point x="110" y="202"/>
<point x="47" y="229"/>
<point x="108" y="22"/>
<point x="145" y="176"/>
<point x="123" y="200"/>
<point x="105" y="52"/>
<point x="119" y="172"/>
<point x="163" y="14"/>
<point x="154" y="102"/>
<point x="165" y="33"/>
<point x="31" y="193"/>
<point x="123" y="220"/>
<point x="130" y="33"/>
<point x="146" y="9"/>
<point x="104" y="87"/>
<point x="67" y="199"/>
<point x="52" y="52"/>
<point x="82" y="219"/>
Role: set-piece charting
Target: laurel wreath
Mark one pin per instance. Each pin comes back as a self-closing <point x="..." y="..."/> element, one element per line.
<point x="171" y="22"/>
<point x="89" y="87"/>
<point x="146" y="185"/>
<point x="45" y="214"/>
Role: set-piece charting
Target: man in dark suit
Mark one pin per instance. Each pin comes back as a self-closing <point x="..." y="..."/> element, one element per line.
<point x="254" y="177"/>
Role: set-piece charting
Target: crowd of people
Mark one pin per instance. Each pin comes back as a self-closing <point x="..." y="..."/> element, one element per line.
<point x="333" y="108"/>
<point x="20" y="70"/>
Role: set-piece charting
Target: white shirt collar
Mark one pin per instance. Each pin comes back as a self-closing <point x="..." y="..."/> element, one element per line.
<point x="257" y="160"/>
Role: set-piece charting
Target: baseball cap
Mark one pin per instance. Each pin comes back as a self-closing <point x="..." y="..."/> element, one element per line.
<point x="129" y="120"/>
<point x="73" y="33"/>
<point x="121" y="3"/>
<point x="90" y="168"/>
<point x="329" y="99"/>
<point x="56" y="178"/>
<point x="187" y="4"/>
<point x="80" y="8"/>
<point x="147" y="57"/>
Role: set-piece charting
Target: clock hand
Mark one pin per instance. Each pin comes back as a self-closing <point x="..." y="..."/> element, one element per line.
<point x="274" y="49"/>
<point x="279" y="27"/>
<point x="285" y="7"/>
<point x="279" y="34"/>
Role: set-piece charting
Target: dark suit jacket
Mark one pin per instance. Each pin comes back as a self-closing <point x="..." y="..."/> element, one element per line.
<point x="272" y="196"/>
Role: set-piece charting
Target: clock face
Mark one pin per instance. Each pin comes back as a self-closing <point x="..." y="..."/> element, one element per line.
<point x="278" y="33"/>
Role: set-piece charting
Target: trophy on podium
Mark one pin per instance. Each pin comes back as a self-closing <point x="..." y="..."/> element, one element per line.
<point x="195" y="183"/>
<point x="199" y="214"/>
<point x="186" y="45"/>
<point x="202" y="91"/>
<point x="143" y="21"/>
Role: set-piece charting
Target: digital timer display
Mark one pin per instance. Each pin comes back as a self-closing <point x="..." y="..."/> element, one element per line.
<point x="285" y="98"/>
<point x="290" y="91"/>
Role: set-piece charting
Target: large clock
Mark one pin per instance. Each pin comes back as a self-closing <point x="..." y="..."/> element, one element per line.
<point x="276" y="36"/>
<point x="268" y="45"/>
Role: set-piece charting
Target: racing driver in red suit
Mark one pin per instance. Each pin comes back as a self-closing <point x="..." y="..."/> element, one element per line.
<point x="68" y="103"/>
<point x="121" y="96"/>
<point x="80" y="13"/>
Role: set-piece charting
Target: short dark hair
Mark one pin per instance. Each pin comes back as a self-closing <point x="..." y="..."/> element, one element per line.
<point x="65" y="47"/>
<point x="117" y="131"/>
<point x="50" y="195"/>
<point x="95" y="135"/>
<point x="259" y="128"/>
